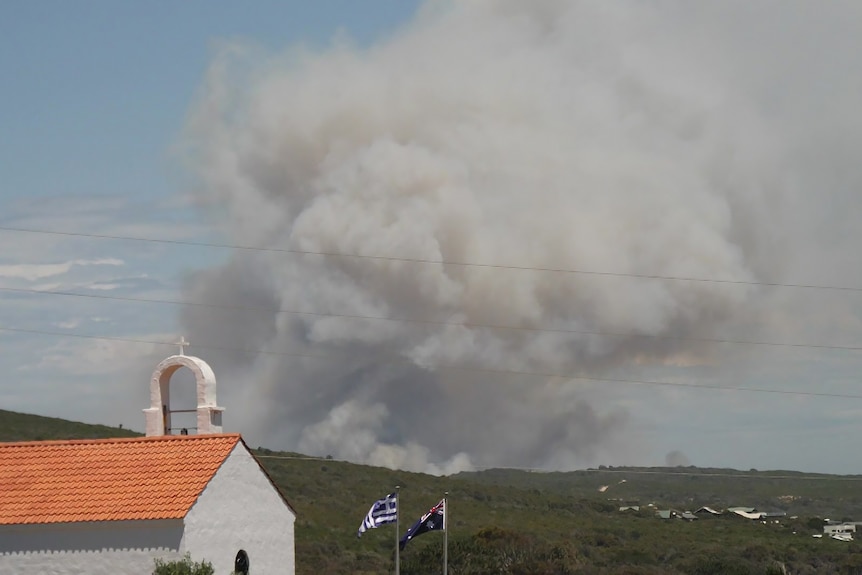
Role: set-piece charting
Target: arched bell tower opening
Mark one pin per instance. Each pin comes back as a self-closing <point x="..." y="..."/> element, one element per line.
<point x="158" y="415"/>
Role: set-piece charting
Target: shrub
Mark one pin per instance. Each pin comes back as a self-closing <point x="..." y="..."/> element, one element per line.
<point x="184" y="566"/>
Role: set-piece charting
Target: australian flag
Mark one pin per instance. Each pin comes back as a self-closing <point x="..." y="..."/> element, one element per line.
<point x="383" y="511"/>
<point x="434" y="520"/>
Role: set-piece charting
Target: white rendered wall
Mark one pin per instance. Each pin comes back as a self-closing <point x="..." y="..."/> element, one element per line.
<point x="241" y="509"/>
<point x="91" y="548"/>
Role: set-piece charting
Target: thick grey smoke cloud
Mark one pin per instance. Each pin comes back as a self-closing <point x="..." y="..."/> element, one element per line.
<point x="654" y="138"/>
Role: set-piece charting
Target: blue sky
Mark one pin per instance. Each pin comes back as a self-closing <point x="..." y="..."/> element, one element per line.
<point x="95" y="92"/>
<point x="95" y="95"/>
<point x="666" y="140"/>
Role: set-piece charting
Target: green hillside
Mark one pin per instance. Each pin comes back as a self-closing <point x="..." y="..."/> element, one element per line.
<point x="689" y="488"/>
<point x="516" y="522"/>
<point x="25" y="427"/>
<point x="561" y="523"/>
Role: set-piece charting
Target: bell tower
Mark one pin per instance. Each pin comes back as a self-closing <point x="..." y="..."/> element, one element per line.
<point x="158" y="415"/>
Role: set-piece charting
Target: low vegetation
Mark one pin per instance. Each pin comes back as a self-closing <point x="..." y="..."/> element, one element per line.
<point x="184" y="566"/>
<point x="515" y="522"/>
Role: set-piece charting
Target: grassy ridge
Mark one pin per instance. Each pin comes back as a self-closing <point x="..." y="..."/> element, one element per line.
<point x="688" y="488"/>
<point x="508" y="521"/>
<point x="566" y="513"/>
<point x="25" y="427"/>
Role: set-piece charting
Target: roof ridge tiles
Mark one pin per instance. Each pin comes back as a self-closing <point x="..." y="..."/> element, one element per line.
<point x="143" y="439"/>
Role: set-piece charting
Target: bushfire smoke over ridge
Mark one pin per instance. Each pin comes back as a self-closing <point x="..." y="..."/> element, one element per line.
<point x="636" y="138"/>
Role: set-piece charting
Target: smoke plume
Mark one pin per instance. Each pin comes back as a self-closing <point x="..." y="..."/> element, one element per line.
<point x="676" y="458"/>
<point x="620" y="138"/>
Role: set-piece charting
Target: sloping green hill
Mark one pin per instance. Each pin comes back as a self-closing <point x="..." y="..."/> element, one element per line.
<point x="689" y="488"/>
<point x="25" y="427"/>
<point x="505" y="521"/>
<point x="516" y="522"/>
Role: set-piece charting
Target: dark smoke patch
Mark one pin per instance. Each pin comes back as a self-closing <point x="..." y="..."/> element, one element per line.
<point x="676" y="458"/>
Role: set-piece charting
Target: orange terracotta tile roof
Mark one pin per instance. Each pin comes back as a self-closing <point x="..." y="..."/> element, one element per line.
<point x="107" y="479"/>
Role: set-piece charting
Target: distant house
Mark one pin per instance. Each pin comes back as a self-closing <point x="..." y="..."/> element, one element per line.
<point x="707" y="510"/>
<point x="840" y="531"/>
<point x="743" y="509"/>
<point x="747" y="512"/>
<point x="839" y="528"/>
<point x="752" y="513"/>
<point x="688" y="516"/>
<point x="112" y="506"/>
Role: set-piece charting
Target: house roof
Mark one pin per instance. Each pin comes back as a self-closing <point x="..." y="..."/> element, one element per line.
<point x="107" y="479"/>
<point x="746" y="514"/>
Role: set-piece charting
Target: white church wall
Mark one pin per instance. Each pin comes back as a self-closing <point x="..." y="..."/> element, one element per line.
<point x="241" y="509"/>
<point x="94" y="548"/>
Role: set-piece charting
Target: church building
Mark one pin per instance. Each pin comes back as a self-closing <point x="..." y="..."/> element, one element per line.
<point x="114" y="506"/>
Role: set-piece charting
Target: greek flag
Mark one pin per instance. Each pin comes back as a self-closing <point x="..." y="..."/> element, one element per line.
<point x="383" y="511"/>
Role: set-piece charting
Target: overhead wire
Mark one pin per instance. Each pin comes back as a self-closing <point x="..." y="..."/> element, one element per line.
<point x="431" y="261"/>
<point x="440" y="322"/>
<point x="469" y="325"/>
<point x="469" y="369"/>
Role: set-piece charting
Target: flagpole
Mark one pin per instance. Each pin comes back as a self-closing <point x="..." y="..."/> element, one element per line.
<point x="397" y="542"/>
<point x="445" y="533"/>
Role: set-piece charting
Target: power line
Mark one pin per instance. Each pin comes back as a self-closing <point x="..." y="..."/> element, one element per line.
<point x="435" y="262"/>
<point x="491" y="371"/>
<point x="471" y="325"/>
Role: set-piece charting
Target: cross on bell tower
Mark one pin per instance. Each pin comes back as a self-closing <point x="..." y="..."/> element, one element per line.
<point x="183" y="345"/>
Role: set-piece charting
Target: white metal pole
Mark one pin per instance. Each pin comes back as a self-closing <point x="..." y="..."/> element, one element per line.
<point x="446" y="533"/>
<point x="397" y="541"/>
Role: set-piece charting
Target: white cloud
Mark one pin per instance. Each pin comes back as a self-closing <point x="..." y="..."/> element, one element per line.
<point x="101" y="286"/>
<point x="33" y="272"/>
<point x="100" y="357"/>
